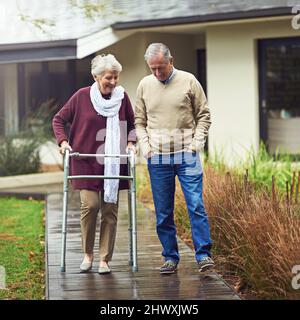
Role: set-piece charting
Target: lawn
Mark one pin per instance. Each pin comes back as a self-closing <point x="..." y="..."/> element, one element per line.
<point x="22" y="248"/>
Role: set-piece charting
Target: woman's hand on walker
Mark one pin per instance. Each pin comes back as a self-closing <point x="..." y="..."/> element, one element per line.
<point x="64" y="146"/>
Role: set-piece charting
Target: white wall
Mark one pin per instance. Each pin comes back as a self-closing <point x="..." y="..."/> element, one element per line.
<point x="130" y="53"/>
<point x="232" y="81"/>
<point x="181" y="46"/>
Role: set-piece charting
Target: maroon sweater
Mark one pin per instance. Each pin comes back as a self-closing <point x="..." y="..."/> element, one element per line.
<point x="87" y="135"/>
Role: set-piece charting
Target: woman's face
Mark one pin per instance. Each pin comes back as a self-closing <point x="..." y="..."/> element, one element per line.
<point x="107" y="81"/>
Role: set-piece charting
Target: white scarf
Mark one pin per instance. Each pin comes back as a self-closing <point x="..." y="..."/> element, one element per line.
<point x="110" y="109"/>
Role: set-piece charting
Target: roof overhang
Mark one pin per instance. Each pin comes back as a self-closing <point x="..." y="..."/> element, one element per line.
<point x="61" y="49"/>
<point x="216" y="17"/>
<point x="38" y="51"/>
<point x="99" y="40"/>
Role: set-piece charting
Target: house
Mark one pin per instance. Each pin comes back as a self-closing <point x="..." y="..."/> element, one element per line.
<point x="246" y="54"/>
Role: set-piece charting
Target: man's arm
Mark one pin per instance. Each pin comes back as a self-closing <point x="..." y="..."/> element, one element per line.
<point x="141" y="122"/>
<point x="202" y="116"/>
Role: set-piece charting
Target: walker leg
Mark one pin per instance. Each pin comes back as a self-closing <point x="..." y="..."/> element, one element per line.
<point x="65" y="210"/>
<point x="130" y="262"/>
<point x="64" y="233"/>
<point x="133" y="214"/>
<point x="134" y="233"/>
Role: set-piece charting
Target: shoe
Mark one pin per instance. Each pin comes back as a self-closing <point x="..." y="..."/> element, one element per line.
<point x="104" y="270"/>
<point x="86" y="267"/>
<point x="169" y="266"/>
<point x="206" y="263"/>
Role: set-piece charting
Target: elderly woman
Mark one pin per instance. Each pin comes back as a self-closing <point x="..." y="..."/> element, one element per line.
<point x="101" y="120"/>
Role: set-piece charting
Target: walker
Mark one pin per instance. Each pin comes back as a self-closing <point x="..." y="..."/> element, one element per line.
<point x="131" y="202"/>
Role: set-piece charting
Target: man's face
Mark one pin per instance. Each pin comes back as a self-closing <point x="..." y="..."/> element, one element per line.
<point x="160" y="67"/>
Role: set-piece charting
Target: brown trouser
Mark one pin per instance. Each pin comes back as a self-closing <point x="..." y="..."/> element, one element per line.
<point x="91" y="203"/>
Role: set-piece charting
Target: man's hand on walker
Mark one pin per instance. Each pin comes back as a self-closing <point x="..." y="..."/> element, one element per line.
<point x="63" y="146"/>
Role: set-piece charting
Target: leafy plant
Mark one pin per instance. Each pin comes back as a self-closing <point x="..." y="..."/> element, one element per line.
<point x="260" y="166"/>
<point x="19" y="155"/>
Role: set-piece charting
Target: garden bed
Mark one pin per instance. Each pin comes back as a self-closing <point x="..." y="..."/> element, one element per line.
<point x="255" y="231"/>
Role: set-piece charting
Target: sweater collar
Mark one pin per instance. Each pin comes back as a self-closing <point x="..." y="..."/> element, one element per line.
<point x="168" y="80"/>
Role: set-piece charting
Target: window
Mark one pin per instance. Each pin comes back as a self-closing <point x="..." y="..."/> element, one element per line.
<point x="280" y="94"/>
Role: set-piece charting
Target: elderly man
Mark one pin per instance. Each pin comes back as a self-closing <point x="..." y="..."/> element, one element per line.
<point x="172" y="121"/>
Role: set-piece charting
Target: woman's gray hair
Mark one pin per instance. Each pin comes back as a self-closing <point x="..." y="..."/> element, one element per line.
<point x="155" y="48"/>
<point x="104" y="63"/>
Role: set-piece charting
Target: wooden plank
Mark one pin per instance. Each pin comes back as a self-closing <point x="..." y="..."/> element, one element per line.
<point x="122" y="284"/>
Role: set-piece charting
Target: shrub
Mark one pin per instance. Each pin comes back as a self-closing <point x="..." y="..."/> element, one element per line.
<point x="19" y="155"/>
<point x="261" y="166"/>
<point x="257" y="232"/>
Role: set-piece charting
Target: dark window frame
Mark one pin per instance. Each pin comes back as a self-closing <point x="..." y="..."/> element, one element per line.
<point x="262" y="45"/>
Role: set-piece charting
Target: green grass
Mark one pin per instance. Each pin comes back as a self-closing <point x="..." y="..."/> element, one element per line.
<point x="260" y="167"/>
<point x="22" y="248"/>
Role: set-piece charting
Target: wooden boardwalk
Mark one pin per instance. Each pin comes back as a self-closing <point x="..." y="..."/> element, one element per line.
<point x="122" y="284"/>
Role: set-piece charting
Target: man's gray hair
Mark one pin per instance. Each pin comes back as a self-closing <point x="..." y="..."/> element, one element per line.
<point x="155" y="48"/>
<point x="105" y="63"/>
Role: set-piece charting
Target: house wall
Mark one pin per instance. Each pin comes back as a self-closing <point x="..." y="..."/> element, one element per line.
<point x="9" y="99"/>
<point x="181" y="47"/>
<point x="130" y="53"/>
<point x="232" y="77"/>
<point x="233" y="86"/>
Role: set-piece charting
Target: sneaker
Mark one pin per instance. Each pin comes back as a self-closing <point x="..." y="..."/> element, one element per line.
<point x="205" y="264"/>
<point x="169" y="266"/>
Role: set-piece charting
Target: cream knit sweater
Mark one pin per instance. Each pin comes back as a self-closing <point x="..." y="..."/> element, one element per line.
<point x="171" y="117"/>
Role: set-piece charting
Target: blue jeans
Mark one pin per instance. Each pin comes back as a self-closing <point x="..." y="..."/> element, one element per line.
<point x="163" y="170"/>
